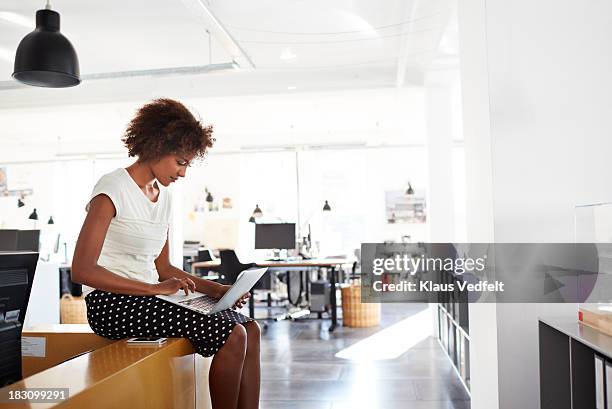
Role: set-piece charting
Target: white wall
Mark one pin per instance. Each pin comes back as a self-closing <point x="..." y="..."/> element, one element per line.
<point x="536" y="90"/>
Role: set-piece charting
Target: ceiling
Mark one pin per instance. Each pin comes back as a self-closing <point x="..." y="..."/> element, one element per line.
<point x="278" y="44"/>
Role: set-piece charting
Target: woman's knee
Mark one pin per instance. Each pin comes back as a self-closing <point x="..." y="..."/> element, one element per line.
<point x="237" y="340"/>
<point x="253" y="331"/>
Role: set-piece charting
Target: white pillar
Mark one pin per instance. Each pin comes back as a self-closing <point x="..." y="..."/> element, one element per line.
<point x="479" y="193"/>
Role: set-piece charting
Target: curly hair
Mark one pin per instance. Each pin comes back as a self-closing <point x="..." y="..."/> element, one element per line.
<point x="165" y="126"/>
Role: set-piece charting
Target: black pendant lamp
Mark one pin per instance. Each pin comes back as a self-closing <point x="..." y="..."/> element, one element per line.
<point x="45" y="58"/>
<point x="326" y="207"/>
<point x="33" y="215"/>
<point x="257" y="212"/>
<point x="209" y="197"/>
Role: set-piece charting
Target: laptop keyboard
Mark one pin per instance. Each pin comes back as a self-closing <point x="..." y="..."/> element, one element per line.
<point x="203" y="303"/>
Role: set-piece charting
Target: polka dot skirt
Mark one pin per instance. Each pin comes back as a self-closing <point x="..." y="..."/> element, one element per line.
<point x="118" y="316"/>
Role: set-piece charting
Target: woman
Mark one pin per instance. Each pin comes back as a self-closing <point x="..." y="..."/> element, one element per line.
<point x="122" y="253"/>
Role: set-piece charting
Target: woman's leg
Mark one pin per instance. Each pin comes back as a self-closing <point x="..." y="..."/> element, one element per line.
<point x="226" y="370"/>
<point x="249" y="385"/>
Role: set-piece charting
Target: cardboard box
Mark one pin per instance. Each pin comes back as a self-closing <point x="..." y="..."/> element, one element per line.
<point x="598" y="316"/>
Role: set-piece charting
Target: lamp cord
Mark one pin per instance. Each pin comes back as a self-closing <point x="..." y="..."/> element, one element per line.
<point x="209" y="47"/>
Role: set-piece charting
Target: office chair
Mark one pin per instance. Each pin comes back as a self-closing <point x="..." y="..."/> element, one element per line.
<point x="356" y="269"/>
<point x="204" y="255"/>
<point x="230" y="266"/>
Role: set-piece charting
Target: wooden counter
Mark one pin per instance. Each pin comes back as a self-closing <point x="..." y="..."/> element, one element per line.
<point x="121" y="376"/>
<point x="57" y="343"/>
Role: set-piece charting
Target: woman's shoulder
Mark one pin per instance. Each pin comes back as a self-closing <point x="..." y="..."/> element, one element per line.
<point x="116" y="177"/>
<point x="114" y="184"/>
<point x="111" y="185"/>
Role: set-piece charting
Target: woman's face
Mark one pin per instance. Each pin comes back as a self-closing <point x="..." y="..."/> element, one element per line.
<point x="171" y="167"/>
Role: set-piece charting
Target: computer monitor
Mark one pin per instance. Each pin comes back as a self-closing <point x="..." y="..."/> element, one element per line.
<point x="16" y="277"/>
<point x="8" y="240"/>
<point x="19" y="240"/>
<point x="28" y="240"/>
<point x="275" y="236"/>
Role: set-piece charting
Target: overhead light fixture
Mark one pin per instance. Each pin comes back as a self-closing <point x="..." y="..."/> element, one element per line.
<point x="252" y="219"/>
<point x="45" y="58"/>
<point x="51" y="221"/>
<point x="410" y="190"/>
<point x="33" y="215"/>
<point x="209" y="197"/>
<point x="291" y="87"/>
<point x="257" y="213"/>
<point x="20" y="202"/>
<point x="326" y="207"/>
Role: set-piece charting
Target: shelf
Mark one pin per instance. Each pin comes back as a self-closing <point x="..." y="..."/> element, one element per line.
<point x="589" y="336"/>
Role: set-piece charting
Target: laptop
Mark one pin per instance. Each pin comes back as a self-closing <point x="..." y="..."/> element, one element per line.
<point x="208" y="305"/>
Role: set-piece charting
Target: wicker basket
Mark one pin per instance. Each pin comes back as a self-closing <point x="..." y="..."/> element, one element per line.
<point x="73" y="310"/>
<point x="354" y="312"/>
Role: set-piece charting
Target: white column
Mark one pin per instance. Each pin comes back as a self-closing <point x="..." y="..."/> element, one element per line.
<point x="479" y="193"/>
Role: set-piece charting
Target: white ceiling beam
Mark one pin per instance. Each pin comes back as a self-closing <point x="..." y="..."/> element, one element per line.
<point x="406" y="42"/>
<point x="155" y="72"/>
<point x="219" y="32"/>
<point x="408" y="45"/>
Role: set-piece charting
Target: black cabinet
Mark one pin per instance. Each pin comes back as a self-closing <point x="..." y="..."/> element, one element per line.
<point x="555" y="377"/>
<point x="573" y="373"/>
<point x="583" y="376"/>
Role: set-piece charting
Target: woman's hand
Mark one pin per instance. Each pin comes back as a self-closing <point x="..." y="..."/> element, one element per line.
<point x="241" y="301"/>
<point x="172" y="285"/>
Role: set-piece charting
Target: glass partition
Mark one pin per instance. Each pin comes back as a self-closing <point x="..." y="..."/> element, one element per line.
<point x="593" y="224"/>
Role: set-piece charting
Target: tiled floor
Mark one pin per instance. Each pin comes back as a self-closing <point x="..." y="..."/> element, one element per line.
<point x="300" y="369"/>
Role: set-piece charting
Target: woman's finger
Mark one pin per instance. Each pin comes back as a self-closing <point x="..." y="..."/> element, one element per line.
<point x="185" y="286"/>
<point x="191" y="284"/>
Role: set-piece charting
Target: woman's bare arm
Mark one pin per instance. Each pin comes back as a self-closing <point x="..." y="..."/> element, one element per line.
<point x="85" y="268"/>
<point x="167" y="270"/>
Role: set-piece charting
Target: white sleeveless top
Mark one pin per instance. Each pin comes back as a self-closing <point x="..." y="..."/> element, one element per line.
<point x="139" y="230"/>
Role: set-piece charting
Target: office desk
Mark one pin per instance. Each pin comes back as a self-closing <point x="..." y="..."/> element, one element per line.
<point x="288" y="265"/>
